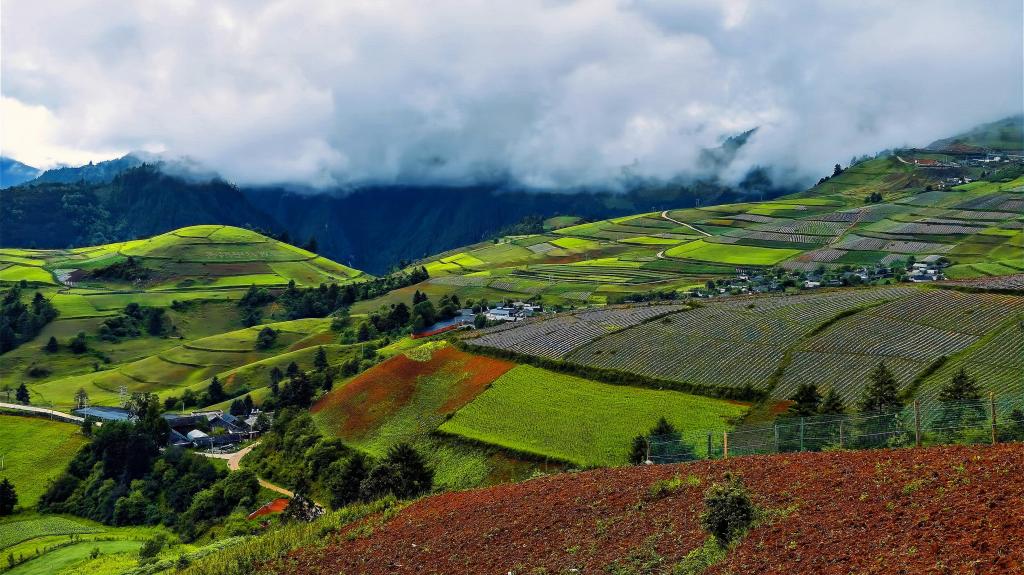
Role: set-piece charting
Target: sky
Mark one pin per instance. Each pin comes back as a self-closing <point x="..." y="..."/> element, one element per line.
<point x="549" y="94"/>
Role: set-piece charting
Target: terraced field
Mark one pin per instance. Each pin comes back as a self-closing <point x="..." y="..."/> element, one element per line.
<point x="736" y="343"/>
<point x="189" y="365"/>
<point x="907" y="334"/>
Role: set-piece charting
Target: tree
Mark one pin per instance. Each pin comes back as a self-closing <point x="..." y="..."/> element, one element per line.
<point x="402" y="473"/>
<point x="807" y="401"/>
<point x="882" y="391"/>
<point x="638" y="450"/>
<point x="266" y="338"/>
<point x="78" y="344"/>
<point x="81" y="398"/>
<point x="832" y="404"/>
<point x="320" y="360"/>
<point x="8" y="497"/>
<point x="837" y="170"/>
<point x="292" y="370"/>
<point x="87" y="426"/>
<point x="728" y="510"/>
<point x="22" y="394"/>
<point x="961" y="404"/>
<point x="480" y="321"/>
<point x="52" y="346"/>
<point x="311" y="245"/>
<point x="344" y="478"/>
<point x="363" y="333"/>
<point x="961" y="387"/>
<point x="237" y="408"/>
<point x="275" y="380"/>
<point x="215" y="392"/>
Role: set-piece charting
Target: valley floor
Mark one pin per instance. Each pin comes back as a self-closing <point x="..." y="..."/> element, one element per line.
<point x="934" y="510"/>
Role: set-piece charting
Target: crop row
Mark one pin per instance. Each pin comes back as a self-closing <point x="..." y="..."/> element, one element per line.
<point x="985" y="202"/>
<point x="867" y="334"/>
<point x="847" y="373"/>
<point x="812" y="227"/>
<point x="955" y="311"/>
<point x="1010" y="282"/>
<point x="658" y="350"/>
<point x="814" y="308"/>
<point x="555" y="337"/>
<point x="784" y="237"/>
<point x="17" y="531"/>
<point x="937" y="229"/>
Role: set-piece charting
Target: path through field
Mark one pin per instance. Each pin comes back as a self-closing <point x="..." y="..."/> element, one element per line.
<point x="234" y="462"/>
<point x="684" y="224"/>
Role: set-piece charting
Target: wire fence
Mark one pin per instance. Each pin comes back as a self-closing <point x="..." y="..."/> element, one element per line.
<point x="989" y="420"/>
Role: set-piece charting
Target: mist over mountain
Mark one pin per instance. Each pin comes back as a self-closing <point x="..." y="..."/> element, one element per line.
<point x="13" y="172"/>
<point x="542" y="95"/>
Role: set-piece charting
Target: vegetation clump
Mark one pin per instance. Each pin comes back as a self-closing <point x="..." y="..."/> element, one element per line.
<point x="20" y="322"/>
<point x="729" y="510"/>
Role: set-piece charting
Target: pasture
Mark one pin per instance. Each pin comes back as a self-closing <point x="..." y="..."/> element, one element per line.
<point x="34" y="451"/>
<point x="578" y="420"/>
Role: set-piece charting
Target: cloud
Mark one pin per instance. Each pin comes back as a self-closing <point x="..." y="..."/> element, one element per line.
<point x="544" y="93"/>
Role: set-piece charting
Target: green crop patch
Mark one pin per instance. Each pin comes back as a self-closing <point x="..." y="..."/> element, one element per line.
<point x="703" y="250"/>
<point x="578" y="420"/>
<point x="34" y="451"/>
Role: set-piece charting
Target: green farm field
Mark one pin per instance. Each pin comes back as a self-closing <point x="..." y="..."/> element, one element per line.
<point x="34" y="451"/>
<point x="578" y="420"/>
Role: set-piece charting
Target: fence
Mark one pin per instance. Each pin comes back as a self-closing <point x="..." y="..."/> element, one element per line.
<point x="990" y="420"/>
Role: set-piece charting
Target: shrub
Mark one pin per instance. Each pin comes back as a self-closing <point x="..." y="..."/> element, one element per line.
<point x="728" y="510"/>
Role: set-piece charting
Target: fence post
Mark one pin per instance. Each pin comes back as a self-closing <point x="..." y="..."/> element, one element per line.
<point x="776" y="426"/>
<point x="801" y="434"/>
<point x="648" y="444"/>
<point x="992" y="404"/>
<point x="917" y="422"/>
<point x="841" y="446"/>
<point x="710" y="454"/>
<point x="725" y="445"/>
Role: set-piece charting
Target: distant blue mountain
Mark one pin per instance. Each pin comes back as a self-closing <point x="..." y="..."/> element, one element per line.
<point x="100" y="173"/>
<point x="13" y="172"/>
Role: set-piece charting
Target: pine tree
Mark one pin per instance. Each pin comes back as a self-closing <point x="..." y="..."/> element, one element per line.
<point x="275" y="380"/>
<point x="882" y="391"/>
<point x="961" y="387"/>
<point x="22" y="394"/>
<point x="8" y="497"/>
<point x="52" y="346"/>
<point x="215" y="392"/>
<point x="292" y="370"/>
<point x="320" y="360"/>
<point x="806" y="400"/>
<point x="638" y="450"/>
<point x="832" y="404"/>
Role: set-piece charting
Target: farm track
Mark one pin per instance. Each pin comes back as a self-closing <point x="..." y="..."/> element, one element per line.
<point x="876" y="511"/>
<point x="665" y="215"/>
<point x="234" y="464"/>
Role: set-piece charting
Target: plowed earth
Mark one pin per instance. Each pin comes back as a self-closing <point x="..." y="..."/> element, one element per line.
<point x="947" y="510"/>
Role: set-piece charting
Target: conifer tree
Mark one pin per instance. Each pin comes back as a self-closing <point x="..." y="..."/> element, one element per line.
<point x="882" y="392"/>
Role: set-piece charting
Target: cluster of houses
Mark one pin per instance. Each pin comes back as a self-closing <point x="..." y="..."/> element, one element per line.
<point x="198" y="429"/>
<point x="514" y="311"/>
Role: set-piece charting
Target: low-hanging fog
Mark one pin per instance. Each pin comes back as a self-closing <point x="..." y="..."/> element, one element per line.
<point x="547" y="94"/>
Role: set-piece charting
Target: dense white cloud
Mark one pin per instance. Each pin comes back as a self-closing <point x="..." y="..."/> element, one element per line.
<point x="547" y="93"/>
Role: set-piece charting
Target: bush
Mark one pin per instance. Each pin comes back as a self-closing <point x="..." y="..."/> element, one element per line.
<point x="728" y="510"/>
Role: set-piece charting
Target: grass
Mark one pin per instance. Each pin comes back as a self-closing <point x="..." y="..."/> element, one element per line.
<point x="578" y="420"/>
<point x="34" y="451"/>
<point x="16" y="273"/>
<point x="15" y="531"/>
<point x="570" y="243"/>
<point x="730" y="254"/>
<point x="64" y="559"/>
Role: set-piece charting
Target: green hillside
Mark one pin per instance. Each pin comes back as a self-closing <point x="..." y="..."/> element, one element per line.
<point x="915" y="213"/>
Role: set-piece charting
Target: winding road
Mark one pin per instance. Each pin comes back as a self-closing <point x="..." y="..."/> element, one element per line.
<point x="235" y="460"/>
<point x="684" y="224"/>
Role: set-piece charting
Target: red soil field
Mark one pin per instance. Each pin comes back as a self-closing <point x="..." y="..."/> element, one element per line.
<point x="364" y="403"/>
<point x="276" y="506"/>
<point x="947" y="510"/>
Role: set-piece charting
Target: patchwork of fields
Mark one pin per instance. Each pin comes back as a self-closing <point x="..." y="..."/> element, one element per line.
<point x="976" y="226"/>
<point x="774" y="344"/>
